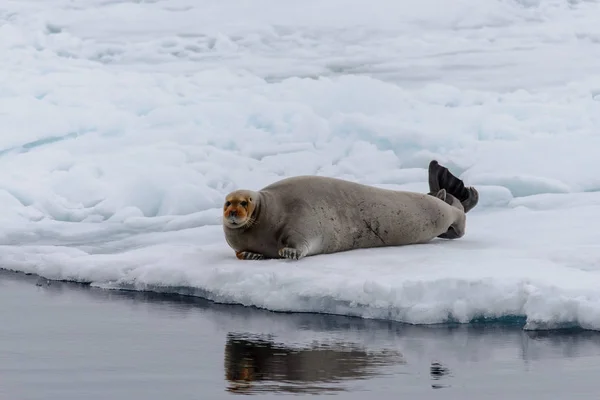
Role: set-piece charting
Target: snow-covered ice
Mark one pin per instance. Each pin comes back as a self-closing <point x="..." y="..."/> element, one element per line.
<point x="124" y="123"/>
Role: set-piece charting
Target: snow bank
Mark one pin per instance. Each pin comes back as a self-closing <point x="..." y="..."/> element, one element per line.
<point x="119" y="141"/>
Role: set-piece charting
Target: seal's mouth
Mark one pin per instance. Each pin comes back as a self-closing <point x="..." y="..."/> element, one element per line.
<point x="234" y="221"/>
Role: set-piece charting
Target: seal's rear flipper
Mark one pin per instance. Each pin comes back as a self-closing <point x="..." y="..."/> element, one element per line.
<point x="440" y="178"/>
<point x="450" y="234"/>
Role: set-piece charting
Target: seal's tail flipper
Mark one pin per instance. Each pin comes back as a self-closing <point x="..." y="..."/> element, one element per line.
<point x="441" y="179"/>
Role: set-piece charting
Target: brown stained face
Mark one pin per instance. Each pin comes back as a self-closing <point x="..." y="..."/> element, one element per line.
<point x="237" y="210"/>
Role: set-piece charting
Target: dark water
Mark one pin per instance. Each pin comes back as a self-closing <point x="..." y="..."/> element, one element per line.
<point x="66" y="341"/>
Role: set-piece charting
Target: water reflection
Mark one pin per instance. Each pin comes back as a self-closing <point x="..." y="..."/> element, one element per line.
<point x="194" y="340"/>
<point x="438" y="371"/>
<point x="255" y="363"/>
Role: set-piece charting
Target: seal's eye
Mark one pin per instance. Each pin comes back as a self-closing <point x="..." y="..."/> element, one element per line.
<point x="227" y="203"/>
<point x="244" y="203"/>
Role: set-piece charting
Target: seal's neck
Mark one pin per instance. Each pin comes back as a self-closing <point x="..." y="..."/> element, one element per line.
<point x="258" y="204"/>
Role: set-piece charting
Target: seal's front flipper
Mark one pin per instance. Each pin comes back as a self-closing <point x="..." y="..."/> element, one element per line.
<point x="441" y="178"/>
<point x="292" y="254"/>
<point x="293" y="245"/>
<point x="248" y="255"/>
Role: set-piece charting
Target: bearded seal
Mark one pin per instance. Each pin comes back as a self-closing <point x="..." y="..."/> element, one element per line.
<point x="308" y="215"/>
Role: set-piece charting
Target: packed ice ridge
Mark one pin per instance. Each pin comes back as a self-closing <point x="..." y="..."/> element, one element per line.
<point x="119" y="141"/>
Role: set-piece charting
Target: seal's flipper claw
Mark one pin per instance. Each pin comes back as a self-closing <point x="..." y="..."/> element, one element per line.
<point x="248" y="255"/>
<point x="290" y="253"/>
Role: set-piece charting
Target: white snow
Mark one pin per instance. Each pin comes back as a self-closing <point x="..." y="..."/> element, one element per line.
<point x="124" y="123"/>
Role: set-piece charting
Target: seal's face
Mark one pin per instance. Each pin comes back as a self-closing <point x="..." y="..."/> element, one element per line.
<point x="238" y="209"/>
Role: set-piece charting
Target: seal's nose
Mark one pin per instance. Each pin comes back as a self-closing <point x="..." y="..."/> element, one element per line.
<point x="233" y="213"/>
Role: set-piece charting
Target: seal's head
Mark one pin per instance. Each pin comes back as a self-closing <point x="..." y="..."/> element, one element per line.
<point x="239" y="208"/>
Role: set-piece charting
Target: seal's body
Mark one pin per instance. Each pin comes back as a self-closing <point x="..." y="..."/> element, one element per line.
<point x="309" y="215"/>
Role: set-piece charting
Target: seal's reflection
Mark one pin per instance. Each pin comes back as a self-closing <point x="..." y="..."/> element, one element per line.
<point x="438" y="371"/>
<point x="259" y="364"/>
